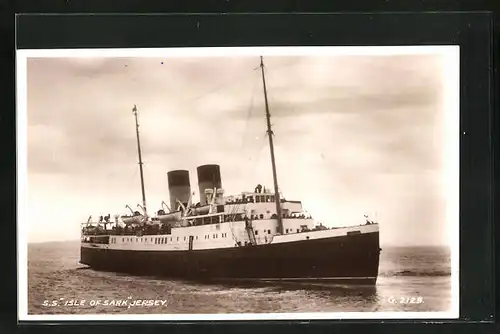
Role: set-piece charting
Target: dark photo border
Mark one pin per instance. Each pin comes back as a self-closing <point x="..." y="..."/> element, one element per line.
<point x="472" y="31"/>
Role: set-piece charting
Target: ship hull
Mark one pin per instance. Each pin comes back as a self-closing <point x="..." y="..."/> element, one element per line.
<point x="351" y="259"/>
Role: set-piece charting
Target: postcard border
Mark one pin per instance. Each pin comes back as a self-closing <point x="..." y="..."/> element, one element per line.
<point x="452" y="142"/>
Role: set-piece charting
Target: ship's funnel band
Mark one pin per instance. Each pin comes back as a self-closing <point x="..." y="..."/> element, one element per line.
<point x="178" y="178"/>
<point x="208" y="178"/>
<point x="179" y="188"/>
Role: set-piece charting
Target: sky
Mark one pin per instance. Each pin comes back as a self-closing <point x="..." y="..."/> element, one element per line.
<point x="354" y="135"/>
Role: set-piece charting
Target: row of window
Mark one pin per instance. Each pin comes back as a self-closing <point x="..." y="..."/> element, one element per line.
<point x="288" y="230"/>
<point x="225" y="218"/>
<point x="216" y="236"/>
<point x="291" y="230"/>
<point x="251" y="199"/>
<point x="257" y="232"/>
<point x="163" y="240"/>
<point x="145" y="240"/>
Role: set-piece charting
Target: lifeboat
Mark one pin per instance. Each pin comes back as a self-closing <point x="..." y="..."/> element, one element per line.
<point x="170" y="217"/>
<point x="201" y="210"/>
<point x="136" y="218"/>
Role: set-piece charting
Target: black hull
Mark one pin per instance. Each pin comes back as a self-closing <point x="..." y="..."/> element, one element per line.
<point x="350" y="259"/>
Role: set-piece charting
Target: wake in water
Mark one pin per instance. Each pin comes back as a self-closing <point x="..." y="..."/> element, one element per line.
<point x="417" y="273"/>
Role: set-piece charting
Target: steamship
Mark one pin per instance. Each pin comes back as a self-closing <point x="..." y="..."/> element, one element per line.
<point x="251" y="236"/>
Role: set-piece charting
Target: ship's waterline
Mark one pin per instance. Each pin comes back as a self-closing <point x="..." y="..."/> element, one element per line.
<point x="346" y="259"/>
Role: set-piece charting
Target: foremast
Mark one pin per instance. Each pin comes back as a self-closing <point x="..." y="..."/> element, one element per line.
<point x="134" y="110"/>
<point x="271" y="148"/>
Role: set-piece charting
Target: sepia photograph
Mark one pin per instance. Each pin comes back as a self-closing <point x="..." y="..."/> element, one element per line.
<point x="238" y="183"/>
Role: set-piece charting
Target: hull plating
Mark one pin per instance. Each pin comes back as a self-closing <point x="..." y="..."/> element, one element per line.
<point x="350" y="259"/>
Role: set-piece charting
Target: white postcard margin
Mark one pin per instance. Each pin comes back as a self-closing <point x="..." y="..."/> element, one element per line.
<point x="452" y="151"/>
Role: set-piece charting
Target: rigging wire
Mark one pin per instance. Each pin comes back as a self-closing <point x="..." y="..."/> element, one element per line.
<point x="257" y="149"/>
<point x="236" y="79"/>
<point x="249" y="113"/>
<point x="270" y="72"/>
<point x="291" y="111"/>
<point x="132" y="178"/>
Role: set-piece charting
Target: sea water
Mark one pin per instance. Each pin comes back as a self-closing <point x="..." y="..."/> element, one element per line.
<point x="412" y="279"/>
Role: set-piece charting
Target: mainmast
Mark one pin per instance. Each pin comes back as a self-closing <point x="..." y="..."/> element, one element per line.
<point x="271" y="147"/>
<point x="134" y="110"/>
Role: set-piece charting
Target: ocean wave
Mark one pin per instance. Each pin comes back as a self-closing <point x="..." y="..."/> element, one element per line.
<point x="416" y="272"/>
